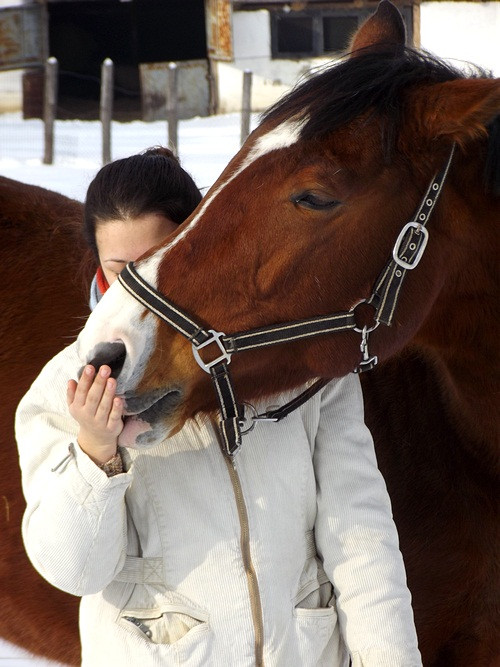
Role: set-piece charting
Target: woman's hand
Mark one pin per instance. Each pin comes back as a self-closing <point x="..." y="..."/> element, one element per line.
<point x="92" y="402"/>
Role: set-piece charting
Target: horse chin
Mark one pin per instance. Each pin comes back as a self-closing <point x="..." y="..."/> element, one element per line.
<point x="148" y="418"/>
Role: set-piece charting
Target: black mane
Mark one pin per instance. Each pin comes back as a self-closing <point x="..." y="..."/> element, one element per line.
<point x="341" y="92"/>
<point x="374" y="82"/>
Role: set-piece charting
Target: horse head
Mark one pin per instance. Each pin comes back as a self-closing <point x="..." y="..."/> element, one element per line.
<point x="301" y="223"/>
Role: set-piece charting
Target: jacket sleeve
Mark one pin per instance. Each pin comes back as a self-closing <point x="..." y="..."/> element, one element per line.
<point x="356" y="536"/>
<point x="74" y="525"/>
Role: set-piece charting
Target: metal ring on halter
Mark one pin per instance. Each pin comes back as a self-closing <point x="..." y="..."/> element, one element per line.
<point x="365" y="330"/>
<point x="250" y="420"/>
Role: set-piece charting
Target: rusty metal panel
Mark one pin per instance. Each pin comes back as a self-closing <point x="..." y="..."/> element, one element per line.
<point x="192" y="89"/>
<point x="22" y="36"/>
<point x="219" y="29"/>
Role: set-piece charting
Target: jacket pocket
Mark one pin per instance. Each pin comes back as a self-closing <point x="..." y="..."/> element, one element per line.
<point x="166" y="624"/>
<point x="315" y="589"/>
<point x="316" y="628"/>
<point x="317" y="603"/>
<point x="162" y="617"/>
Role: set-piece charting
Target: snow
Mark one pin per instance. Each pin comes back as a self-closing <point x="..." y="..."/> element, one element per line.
<point x="12" y="656"/>
<point x="205" y="147"/>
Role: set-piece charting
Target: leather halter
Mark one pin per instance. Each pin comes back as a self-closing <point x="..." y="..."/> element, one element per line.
<point x="406" y="254"/>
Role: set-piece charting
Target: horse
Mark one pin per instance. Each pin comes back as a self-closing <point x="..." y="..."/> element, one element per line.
<point x="355" y="229"/>
<point x="45" y="278"/>
<point x="316" y="215"/>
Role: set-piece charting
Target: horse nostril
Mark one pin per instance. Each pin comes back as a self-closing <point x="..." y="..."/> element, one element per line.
<point x="109" y="354"/>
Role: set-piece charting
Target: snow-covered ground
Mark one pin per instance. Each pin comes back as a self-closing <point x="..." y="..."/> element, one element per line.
<point x="11" y="656"/>
<point x="205" y="147"/>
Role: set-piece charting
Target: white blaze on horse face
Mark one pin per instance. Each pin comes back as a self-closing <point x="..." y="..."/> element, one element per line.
<point x="284" y="135"/>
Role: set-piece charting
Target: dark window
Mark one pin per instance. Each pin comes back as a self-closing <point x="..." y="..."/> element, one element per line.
<point x="310" y="32"/>
<point x="337" y="31"/>
<point x="295" y="34"/>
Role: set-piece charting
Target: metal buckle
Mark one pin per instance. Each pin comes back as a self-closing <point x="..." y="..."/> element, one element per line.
<point x="368" y="362"/>
<point x="225" y="356"/>
<point x="403" y="262"/>
<point x="248" y="420"/>
<point x="264" y="418"/>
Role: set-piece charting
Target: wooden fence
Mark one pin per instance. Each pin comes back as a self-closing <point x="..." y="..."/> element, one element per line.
<point x="106" y="107"/>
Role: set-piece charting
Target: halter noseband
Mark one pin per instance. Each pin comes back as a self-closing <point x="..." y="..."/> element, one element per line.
<point x="406" y="254"/>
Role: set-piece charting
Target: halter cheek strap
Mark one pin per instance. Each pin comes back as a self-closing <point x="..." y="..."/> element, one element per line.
<point x="406" y="254"/>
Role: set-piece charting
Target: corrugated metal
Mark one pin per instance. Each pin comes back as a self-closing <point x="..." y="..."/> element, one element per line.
<point x="22" y="36"/>
<point x="219" y="29"/>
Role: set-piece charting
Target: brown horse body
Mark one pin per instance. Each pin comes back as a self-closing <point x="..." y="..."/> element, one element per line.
<point x="43" y="305"/>
<point x="445" y="504"/>
<point x="300" y="224"/>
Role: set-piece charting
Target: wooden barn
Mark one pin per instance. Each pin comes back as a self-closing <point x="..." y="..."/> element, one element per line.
<point x="213" y="42"/>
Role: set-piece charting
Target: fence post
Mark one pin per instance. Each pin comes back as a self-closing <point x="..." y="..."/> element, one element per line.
<point x="172" y="119"/>
<point x="106" y="108"/>
<point x="49" y="108"/>
<point x="246" y="105"/>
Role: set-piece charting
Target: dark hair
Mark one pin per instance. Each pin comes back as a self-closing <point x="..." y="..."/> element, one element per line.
<point x="151" y="182"/>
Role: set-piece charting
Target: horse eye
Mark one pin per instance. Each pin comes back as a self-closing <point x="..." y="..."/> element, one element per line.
<point x="314" y="201"/>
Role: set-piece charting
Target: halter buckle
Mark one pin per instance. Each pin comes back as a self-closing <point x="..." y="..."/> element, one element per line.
<point x="265" y="418"/>
<point x="403" y="262"/>
<point x="368" y="362"/>
<point x="215" y="338"/>
<point x="247" y="423"/>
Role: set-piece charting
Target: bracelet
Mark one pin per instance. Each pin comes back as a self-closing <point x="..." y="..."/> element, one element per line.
<point x="112" y="467"/>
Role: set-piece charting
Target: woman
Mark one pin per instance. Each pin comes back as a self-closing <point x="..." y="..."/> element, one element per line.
<point x="132" y="205"/>
<point x="284" y="555"/>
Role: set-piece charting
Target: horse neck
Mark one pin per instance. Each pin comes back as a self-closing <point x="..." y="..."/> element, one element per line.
<point x="460" y="332"/>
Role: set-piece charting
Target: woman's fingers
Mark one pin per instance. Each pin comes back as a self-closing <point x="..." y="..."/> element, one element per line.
<point x="83" y="386"/>
<point x="94" y="405"/>
<point x="106" y="400"/>
<point x="91" y="388"/>
<point x="115" y="421"/>
<point x="92" y="401"/>
<point x="70" y="392"/>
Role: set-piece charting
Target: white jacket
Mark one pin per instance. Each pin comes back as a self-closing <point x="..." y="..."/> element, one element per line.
<point x="189" y="558"/>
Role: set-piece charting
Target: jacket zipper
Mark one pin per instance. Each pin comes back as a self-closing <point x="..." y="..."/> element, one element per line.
<point x="253" y="584"/>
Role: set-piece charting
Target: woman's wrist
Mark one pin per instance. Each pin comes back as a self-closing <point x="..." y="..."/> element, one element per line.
<point x="109" y="460"/>
<point x="99" y="453"/>
<point x="114" y="466"/>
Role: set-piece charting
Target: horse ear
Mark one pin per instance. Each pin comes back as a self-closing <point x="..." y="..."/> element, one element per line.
<point x="459" y="109"/>
<point x="383" y="31"/>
